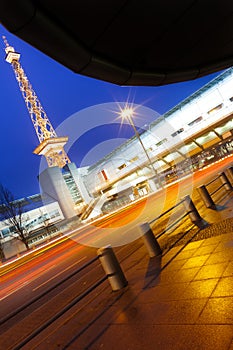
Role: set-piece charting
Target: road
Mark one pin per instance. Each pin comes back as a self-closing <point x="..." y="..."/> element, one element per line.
<point x="48" y="266"/>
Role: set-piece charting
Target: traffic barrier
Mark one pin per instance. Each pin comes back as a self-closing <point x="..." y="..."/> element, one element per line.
<point x="225" y="181"/>
<point x="206" y="197"/>
<point x="191" y="210"/>
<point x="150" y="241"/>
<point x="112" y="268"/>
<point x="230" y="170"/>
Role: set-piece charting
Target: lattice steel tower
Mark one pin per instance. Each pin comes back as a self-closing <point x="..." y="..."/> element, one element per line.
<point x="51" y="146"/>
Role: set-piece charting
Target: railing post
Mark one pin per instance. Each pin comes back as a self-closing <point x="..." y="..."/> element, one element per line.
<point x="225" y="181"/>
<point x="192" y="210"/>
<point x="150" y="241"/>
<point x="205" y="196"/>
<point x="112" y="268"/>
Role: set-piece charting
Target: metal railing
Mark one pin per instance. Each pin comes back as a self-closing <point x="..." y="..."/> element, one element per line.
<point x="206" y="194"/>
<point x="150" y="239"/>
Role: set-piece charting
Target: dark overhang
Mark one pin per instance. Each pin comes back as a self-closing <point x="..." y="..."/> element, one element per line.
<point x="128" y="42"/>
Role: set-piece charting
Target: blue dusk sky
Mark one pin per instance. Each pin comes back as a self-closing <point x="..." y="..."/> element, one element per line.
<point x="63" y="93"/>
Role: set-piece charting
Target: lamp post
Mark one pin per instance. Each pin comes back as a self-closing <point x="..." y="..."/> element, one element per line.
<point x="127" y="114"/>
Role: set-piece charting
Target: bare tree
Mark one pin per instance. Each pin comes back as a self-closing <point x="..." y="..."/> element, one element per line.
<point x="12" y="212"/>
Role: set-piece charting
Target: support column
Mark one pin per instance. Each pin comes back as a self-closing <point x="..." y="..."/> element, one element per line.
<point x="152" y="185"/>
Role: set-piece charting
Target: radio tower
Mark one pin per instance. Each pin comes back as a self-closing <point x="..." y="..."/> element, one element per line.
<point x="51" y="146"/>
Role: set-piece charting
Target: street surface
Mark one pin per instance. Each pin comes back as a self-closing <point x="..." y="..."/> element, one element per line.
<point x="47" y="266"/>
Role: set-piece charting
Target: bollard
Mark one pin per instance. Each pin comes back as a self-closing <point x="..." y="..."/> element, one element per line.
<point x="225" y="181"/>
<point x="112" y="268"/>
<point x="150" y="241"/>
<point x="230" y="170"/>
<point x="205" y="196"/>
<point x="191" y="209"/>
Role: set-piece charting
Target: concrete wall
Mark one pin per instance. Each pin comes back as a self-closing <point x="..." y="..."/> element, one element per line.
<point x="53" y="185"/>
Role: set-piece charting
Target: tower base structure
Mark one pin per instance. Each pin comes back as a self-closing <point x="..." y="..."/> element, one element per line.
<point x="53" y="185"/>
<point x="52" y="149"/>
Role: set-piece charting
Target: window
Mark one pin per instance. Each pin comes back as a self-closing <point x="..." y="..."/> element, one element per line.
<point x="161" y="142"/>
<point x="53" y="214"/>
<point x="215" y="109"/>
<point x="195" y="121"/>
<point x="133" y="159"/>
<point x="177" y="132"/>
<point x="149" y="149"/>
<point x="104" y="174"/>
<point x="5" y="232"/>
<point x="122" y="166"/>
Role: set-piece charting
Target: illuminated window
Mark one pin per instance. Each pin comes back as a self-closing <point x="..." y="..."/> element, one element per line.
<point x="149" y="149"/>
<point x="104" y="175"/>
<point x="195" y="121"/>
<point x="133" y="159"/>
<point x="177" y="132"/>
<point x="122" y="166"/>
<point x="215" y="109"/>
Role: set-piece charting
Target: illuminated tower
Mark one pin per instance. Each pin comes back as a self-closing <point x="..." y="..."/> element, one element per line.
<point x="51" y="146"/>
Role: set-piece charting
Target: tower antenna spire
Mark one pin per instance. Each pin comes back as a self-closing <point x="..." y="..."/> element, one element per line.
<point x="51" y="146"/>
<point x="5" y="41"/>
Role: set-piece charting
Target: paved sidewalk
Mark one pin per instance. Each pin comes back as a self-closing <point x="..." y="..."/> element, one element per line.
<point x="180" y="301"/>
<point x="188" y="306"/>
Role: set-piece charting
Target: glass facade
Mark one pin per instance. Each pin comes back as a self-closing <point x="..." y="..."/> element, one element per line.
<point x="72" y="187"/>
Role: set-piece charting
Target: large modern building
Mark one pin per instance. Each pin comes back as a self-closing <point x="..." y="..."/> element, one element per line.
<point x="36" y="215"/>
<point x="194" y="133"/>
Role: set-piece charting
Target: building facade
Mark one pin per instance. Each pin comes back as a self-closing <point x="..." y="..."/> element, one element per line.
<point x="194" y="133"/>
<point x="37" y="216"/>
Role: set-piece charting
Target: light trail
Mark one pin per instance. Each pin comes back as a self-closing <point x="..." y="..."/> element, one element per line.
<point x="54" y="254"/>
<point x="58" y="274"/>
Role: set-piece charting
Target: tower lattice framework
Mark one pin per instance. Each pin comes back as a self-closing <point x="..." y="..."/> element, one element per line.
<point x="51" y="146"/>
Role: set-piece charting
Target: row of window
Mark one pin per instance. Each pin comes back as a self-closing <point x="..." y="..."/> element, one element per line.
<point x="193" y="122"/>
<point x="177" y="132"/>
<point x="199" y="119"/>
<point x="32" y="224"/>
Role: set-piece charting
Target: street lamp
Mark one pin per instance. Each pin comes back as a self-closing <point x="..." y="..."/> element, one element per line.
<point x="127" y="113"/>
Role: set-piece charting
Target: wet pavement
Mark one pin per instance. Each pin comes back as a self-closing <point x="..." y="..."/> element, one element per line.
<point x="182" y="300"/>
